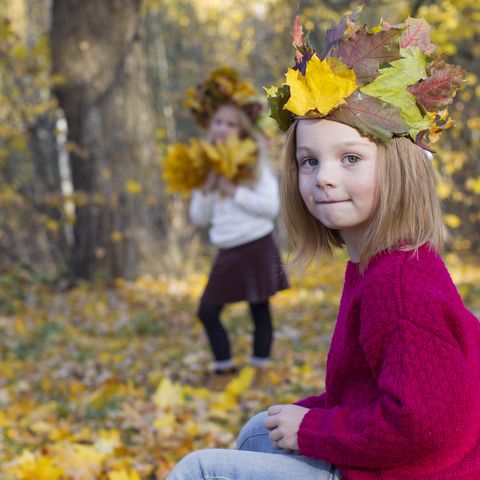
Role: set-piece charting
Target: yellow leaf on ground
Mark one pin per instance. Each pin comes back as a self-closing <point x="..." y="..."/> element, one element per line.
<point x="82" y="462"/>
<point x="167" y="395"/>
<point x="123" y="475"/>
<point x="30" y="467"/>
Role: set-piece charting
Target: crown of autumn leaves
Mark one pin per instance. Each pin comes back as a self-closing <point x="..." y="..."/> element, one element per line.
<point x="222" y="86"/>
<point x="383" y="81"/>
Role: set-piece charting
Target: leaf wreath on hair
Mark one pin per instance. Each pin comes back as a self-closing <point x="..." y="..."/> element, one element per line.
<point x="384" y="81"/>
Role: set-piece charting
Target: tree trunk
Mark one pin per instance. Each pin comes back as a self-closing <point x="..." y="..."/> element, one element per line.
<point x="97" y="49"/>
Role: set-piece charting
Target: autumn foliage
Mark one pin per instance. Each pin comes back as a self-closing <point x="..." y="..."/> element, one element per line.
<point x="106" y="379"/>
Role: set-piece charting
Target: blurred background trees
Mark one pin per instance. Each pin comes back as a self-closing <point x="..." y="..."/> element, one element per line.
<point x="91" y="94"/>
<point x="98" y="52"/>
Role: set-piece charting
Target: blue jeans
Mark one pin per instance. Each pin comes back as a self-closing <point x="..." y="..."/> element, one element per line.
<point x="256" y="458"/>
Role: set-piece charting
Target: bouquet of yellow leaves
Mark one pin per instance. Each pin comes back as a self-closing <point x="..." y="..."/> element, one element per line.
<point x="186" y="166"/>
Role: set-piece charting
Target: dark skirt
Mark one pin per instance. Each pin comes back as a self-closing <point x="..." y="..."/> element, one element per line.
<point x="252" y="272"/>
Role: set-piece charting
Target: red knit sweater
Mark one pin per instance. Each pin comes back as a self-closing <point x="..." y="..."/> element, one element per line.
<point x="402" y="398"/>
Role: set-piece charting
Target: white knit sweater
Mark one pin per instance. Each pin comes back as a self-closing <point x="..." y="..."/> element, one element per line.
<point x="247" y="216"/>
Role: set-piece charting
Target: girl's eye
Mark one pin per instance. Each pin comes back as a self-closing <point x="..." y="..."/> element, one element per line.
<point x="351" y="159"/>
<point x="308" y="163"/>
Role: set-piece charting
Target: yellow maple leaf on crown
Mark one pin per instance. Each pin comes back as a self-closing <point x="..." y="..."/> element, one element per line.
<point x="325" y="86"/>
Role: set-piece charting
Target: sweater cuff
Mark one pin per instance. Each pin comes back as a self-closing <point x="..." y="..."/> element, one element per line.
<point x="312" y="401"/>
<point x="239" y="196"/>
<point x="197" y="192"/>
<point x="201" y="199"/>
<point x="310" y="431"/>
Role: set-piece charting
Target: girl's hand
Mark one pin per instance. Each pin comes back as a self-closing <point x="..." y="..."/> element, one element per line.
<point x="210" y="183"/>
<point x="283" y="422"/>
<point x="226" y="186"/>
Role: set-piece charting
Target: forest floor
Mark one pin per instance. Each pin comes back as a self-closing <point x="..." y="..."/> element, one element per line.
<point x="108" y="382"/>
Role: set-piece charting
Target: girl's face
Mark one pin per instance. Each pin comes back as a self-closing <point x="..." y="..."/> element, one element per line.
<point x="223" y="124"/>
<point x="336" y="174"/>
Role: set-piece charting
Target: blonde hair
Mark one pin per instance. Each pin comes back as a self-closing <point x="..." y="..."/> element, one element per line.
<point x="408" y="213"/>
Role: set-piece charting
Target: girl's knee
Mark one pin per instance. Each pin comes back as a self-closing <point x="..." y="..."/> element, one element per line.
<point x="203" y="311"/>
<point x="191" y="467"/>
<point x="209" y="314"/>
<point x="252" y="429"/>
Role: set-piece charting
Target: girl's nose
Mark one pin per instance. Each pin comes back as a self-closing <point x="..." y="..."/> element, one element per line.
<point x="326" y="175"/>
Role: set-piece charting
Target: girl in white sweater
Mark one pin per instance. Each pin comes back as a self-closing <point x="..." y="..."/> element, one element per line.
<point x="248" y="265"/>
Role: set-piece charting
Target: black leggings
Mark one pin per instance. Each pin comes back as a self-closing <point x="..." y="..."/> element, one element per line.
<point x="217" y="335"/>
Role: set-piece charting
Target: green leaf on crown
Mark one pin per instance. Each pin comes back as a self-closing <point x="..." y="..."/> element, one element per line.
<point x="391" y="87"/>
<point x="277" y="97"/>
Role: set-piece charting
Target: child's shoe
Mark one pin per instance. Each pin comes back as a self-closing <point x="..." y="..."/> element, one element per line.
<point x="220" y="378"/>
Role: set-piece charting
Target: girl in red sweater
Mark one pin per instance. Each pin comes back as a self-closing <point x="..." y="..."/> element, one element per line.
<point x="402" y="398"/>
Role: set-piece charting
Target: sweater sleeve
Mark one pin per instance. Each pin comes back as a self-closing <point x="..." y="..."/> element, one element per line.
<point x="426" y="401"/>
<point x="313" y="401"/>
<point x="263" y="198"/>
<point x="201" y="208"/>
